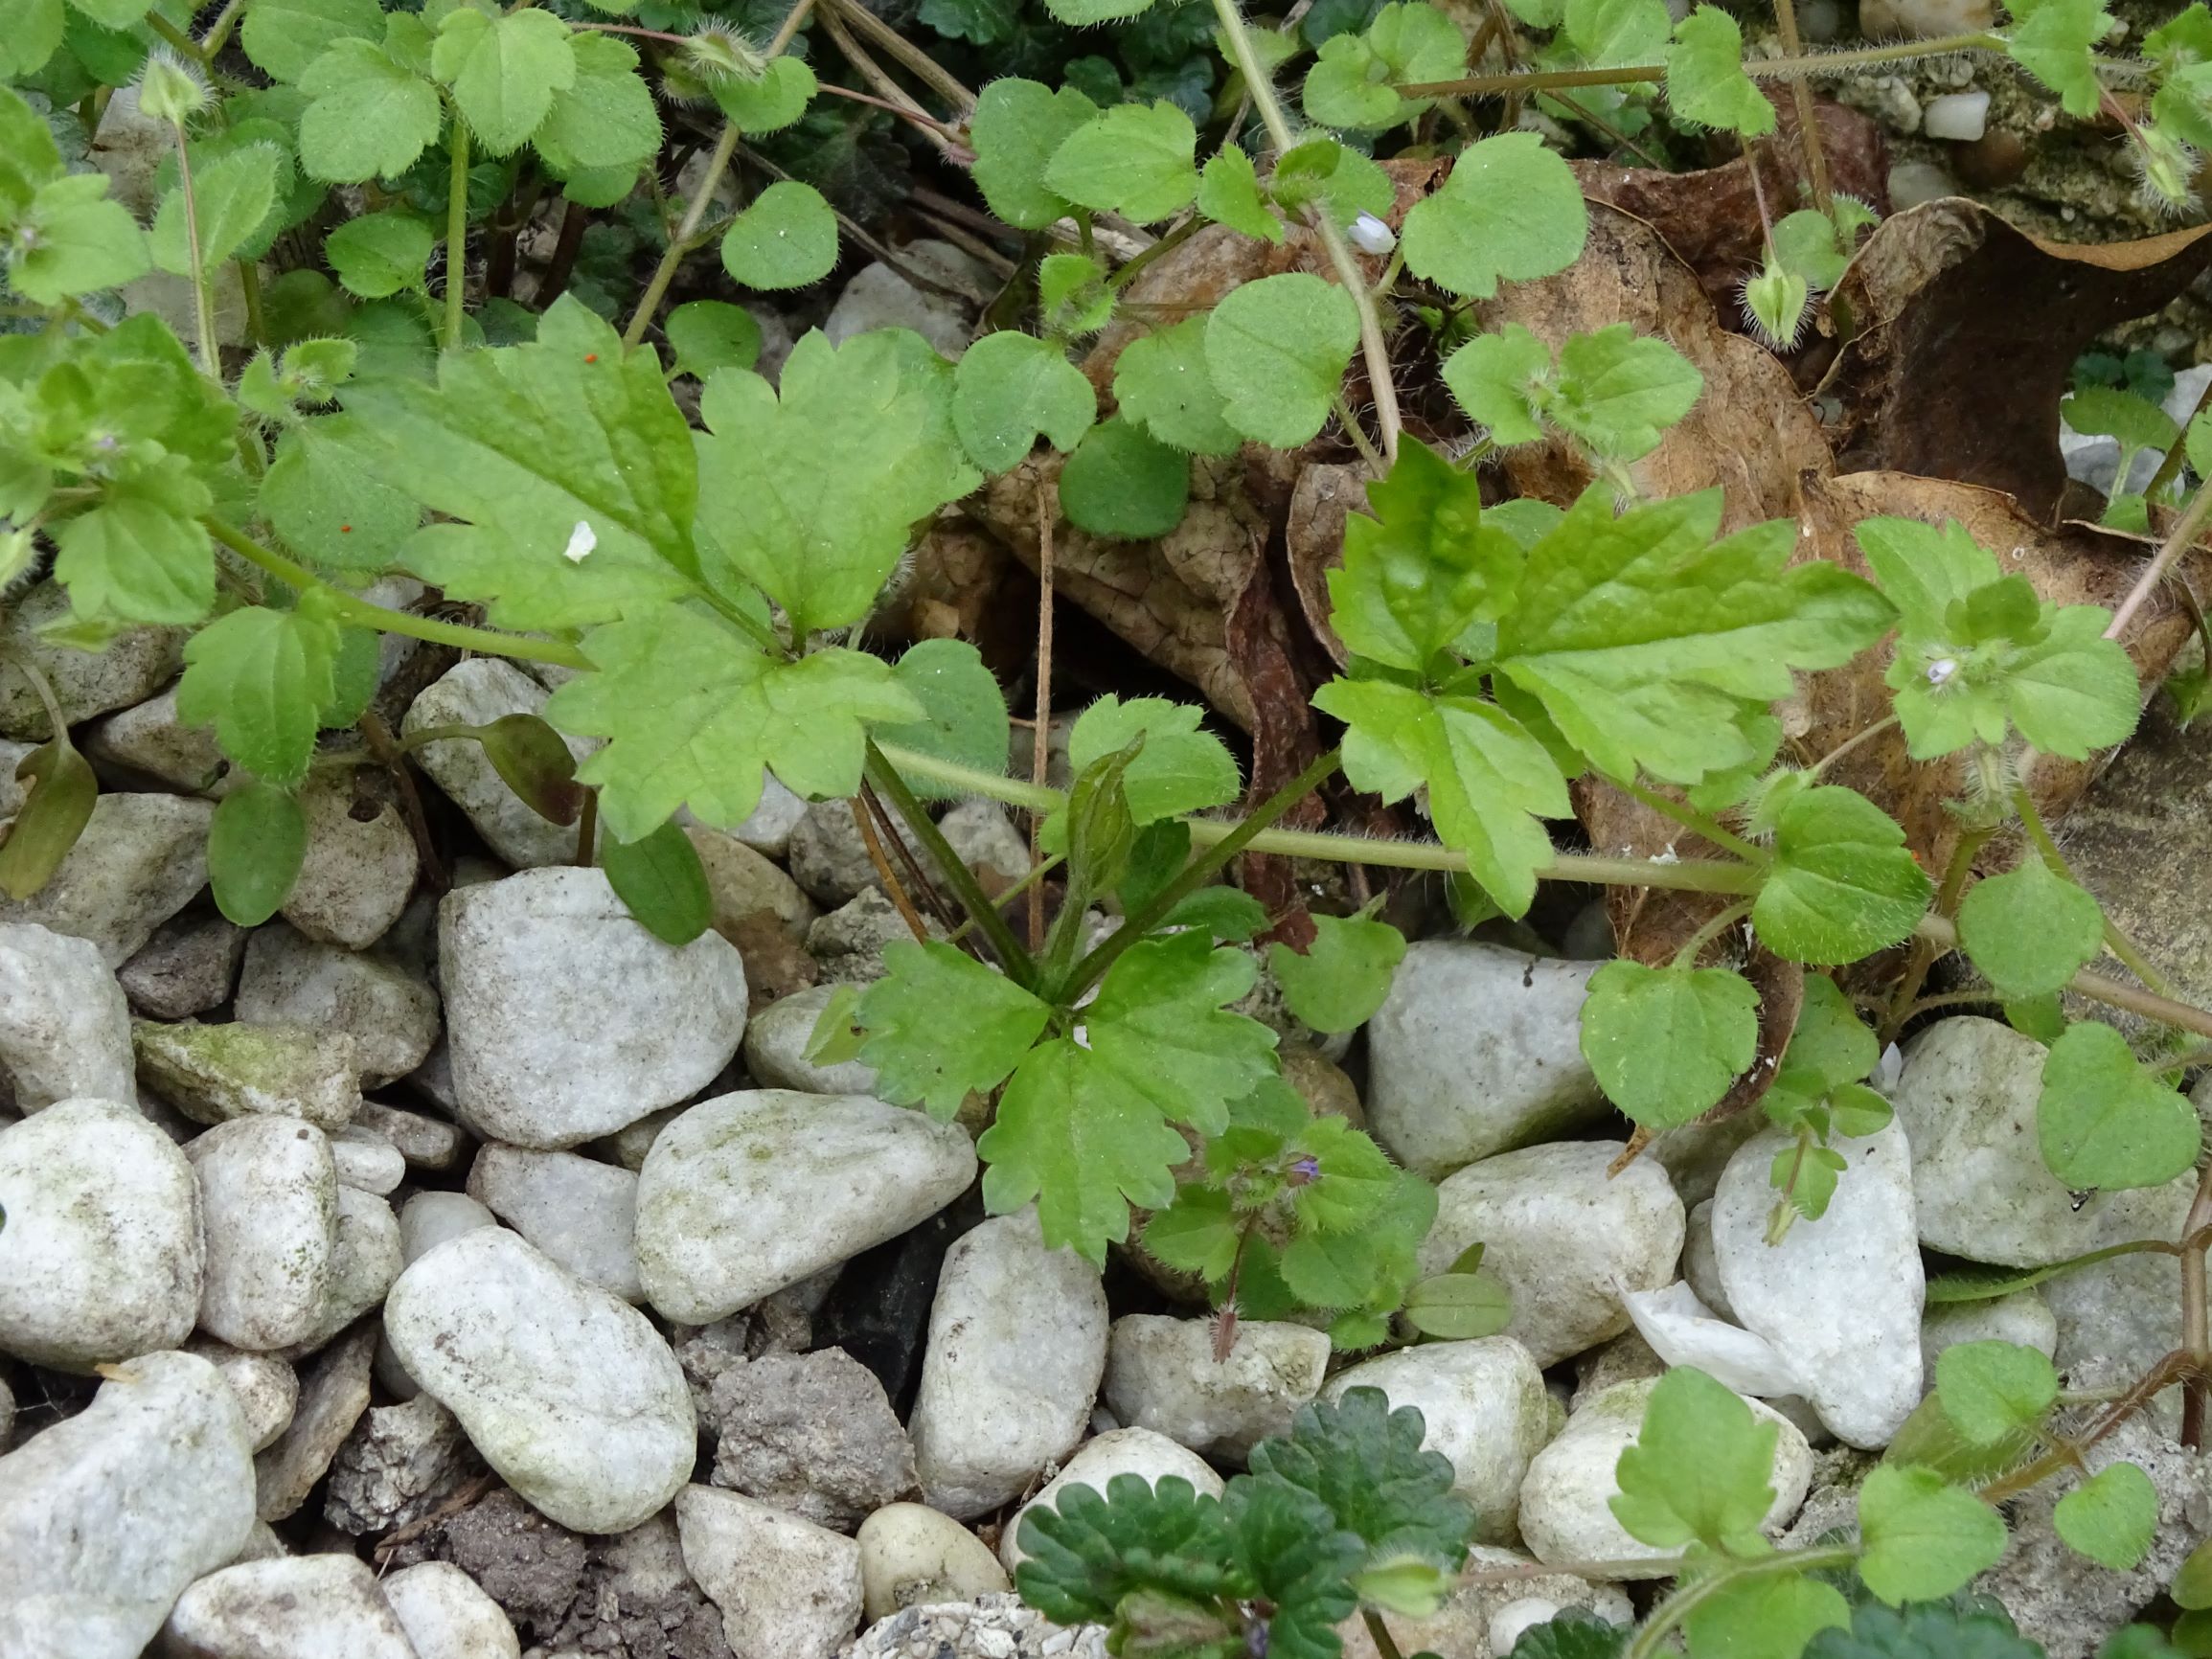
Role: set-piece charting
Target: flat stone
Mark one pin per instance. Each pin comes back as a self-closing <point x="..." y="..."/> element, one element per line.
<point x="1469" y="1624"/>
<point x="214" y="1073"/>
<point x="1839" y="1299"/>
<point x="269" y="1202"/>
<point x="361" y="859"/>
<point x="131" y="669"/>
<point x="100" y="1254"/>
<point x="367" y="1162"/>
<point x="325" y="1606"/>
<point x="290" y="979"/>
<point x="847" y="944"/>
<point x="1566" y="1516"/>
<point x="1486" y="1410"/>
<point x="426" y="1220"/>
<point x="475" y="692"/>
<point x="776" y="1040"/>
<point x="1564" y="1236"/>
<point x="446" y="1617"/>
<point x="2115" y="1320"/>
<point x="786" y="1588"/>
<point x="583" y="1214"/>
<point x="364" y="1261"/>
<point x="1477" y="1051"/>
<point x="911" y="1555"/>
<point x="566" y="1391"/>
<point x="64" y="1025"/>
<point x="424" y="1143"/>
<point x="400" y="1462"/>
<point x="1122" y="1451"/>
<point x="742" y="882"/>
<point x="1018" y="1344"/>
<point x="333" y="1394"/>
<point x="1967" y="1102"/>
<point x="748" y="1192"/>
<point x="1162" y="1374"/>
<point x="188" y="966"/>
<point x="267" y="1388"/>
<point x="811" y="1432"/>
<point x="879" y="296"/>
<point x="141" y="859"/>
<point x="148" y="739"/>
<point x="567" y="1020"/>
<point x="106" y="1516"/>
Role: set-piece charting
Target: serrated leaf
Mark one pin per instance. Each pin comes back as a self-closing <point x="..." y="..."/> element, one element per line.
<point x="232" y="194"/>
<point x="1159" y="1022"/>
<point x="1939" y="1631"/>
<point x="1923" y="1539"/>
<point x="72" y="241"/>
<point x="1121" y="483"/>
<point x="1701" y="1470"/>
<point x="1180" y="768"/>
<point x="503" y="71"/>
<point x="1353" y="84"/>
<point x="1016" y="128"/>
<point x="1364" y="1462"/>
<point x="255" y="845"/>
<point x="1198" y="1234"/>
<point x="260" y="678"/>
<point x="1618" y="392"/>
<point x="1086" y="1552"/>
<point x="63" y="794"/>
<point x="2055" y="42"/>
<point x="29" y="156"/>
<point x="1992" y="1391"/>
<point x="1277" y="350"/>
<point x="1342" y="977"/>
<point x="940" y="1026"/>
<point x="328" y="510"/>
<point x="2104" y="1122"/>
<point x="1842" y="885"/>
<point x="606" y="117"/>
<point x="380" y="254"/>
<point x="1012" y="388"/>
<point x="1609" y="33"/>
<point x="964" y="712"/>
<point x="1072" y="296"/>
<point x="1082" y="14"/>
<point x="1229" y="194"/>
<point x="1705" y="79"/>
<point x="786" y="238"/>
<point x="1572" y="1633"/>
<point x="2029" y="931"/>
<point x="140" y="552"/>
<point x="2110" y="1518"/>
<point x="1511" y="209"/>
<point x="1666" y="1042"/>
<point x="1927" y="1439"/>
<point x="1134" y="159"/>
<point x="282" y="37"/>
<point x="1163" y="385"/>
<point x="2110" y="412"/>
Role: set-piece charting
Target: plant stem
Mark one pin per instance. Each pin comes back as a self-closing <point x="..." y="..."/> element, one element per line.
<point x="2184" y="536"/>
<point x="1373" y="348"/>
<point x="1687" y="956"/>
<point x="587" y="829"/>
<point x="892" y="885"/>
<point x="219" y="32"/>
<point x="1808" y="127"/>
<point x="357" y="612"/>
<point x="1924" y="948"/>
<point x="1938" y="932"/>
<point x="1378" y="1633"/>
<point x="1040" y="735"/>
<point x="202" y="288"/>
<point x="2117" y="939"/>
<point x="1668" y="1616"/>
<point x="456" y="234"/>
<point x="175" y="37"/>
<point x="1813" y="63"/>
<point x="1864" y="734"/>
<point x="250" y="290"/>
<point x="1704" y="823"/>
<point x="926" y="68"/>
<point x="680" y="244"/>
<point x="2177" y="451"/>
<point x="1013" y="957"/>
<point x="2194" y="1338"/>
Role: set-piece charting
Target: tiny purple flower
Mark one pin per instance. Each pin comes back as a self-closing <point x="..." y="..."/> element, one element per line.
<point x="1307" y="1168"/>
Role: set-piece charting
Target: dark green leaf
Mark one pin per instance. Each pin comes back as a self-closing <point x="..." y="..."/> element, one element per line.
<point x="1364" y="1462"/>
<point x="1842" y="885"/>
<point x="661" y="879"/>
<point x="532" y="760"/>
<point x="63" y="793"/>
<point x="254" y="848"/>
<point x="1932" y="1632"/>
<point x="1123" y="484"/>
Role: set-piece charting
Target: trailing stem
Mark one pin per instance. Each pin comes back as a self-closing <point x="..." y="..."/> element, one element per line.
<point x="1812" y="64"/>
<point x="202" y="288"/>
<point x="456" y="234"/>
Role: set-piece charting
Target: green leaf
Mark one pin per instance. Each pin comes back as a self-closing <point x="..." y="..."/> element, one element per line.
<point x="1198" y="1234"/>
<point x="777" y="100"/>
<point x="1097" y="830"/>
<point x="1619" y="393"/>
<point x="1705" y="79"/>
<point x="1159" y="1023"/>
<point x="606" y="117"/>
<point x="1087" y="1552"/>
<point x="1351" y="83"/>
<point x="1072" y="295"/>
<point x="1319" y="169"/>
<point x="1123" y="484"/>
<point x="1180" y="769"/>
<point x="140" y="554"/>
<point x="1610" y="33"/>
<point x="1994" y="1390"/>
<point x="1643" y="640"/>
<point x="75" y="242"/>
<point x="1830" y="1047"/>
<point x="260" y="678"/>
<point x="660" y="879"/>
<point x="1502" y="381"/>
<point x="2192" y="1585"/>
<point x="29" y="156"/>
<point x="255" y="844"/>
<point x="1010" y="388"/>
<point x="940" y="1026"/>
<point x="837" y="1034"/>
<point x="786" y="239"/>
<point x="2076" y="691"/>
<point x="1511" y="209"/>
<point x="2030" y="931"/>
<point x="1770" y="1618"/>
<point x="1572" y="1633"/>
<point x="1666" y="1042"/>
<point x="1277" y="349"/>
<point x="2110" y="412"/>
<point x="1073" y="1135"/>
<point x="503" y="71"/>
<point x="233" y="195"/>
<point x="692" y="713"/>
<point x="531" y="760"/>
<point x="1459" y="1307"/>
<point x="2055" y="42"/>
<point x="1701" y="1470"/>
<point x="63" y="792"/>
<point x="810" y="490"/>
<point x="704" y="335"/>
<point x="1082" y="14"/>
<point x="1229" y="194"/>
<point x="328" y="510"/>
<point x="1365" y="1463"/>
<point x="1489" y="780"/>
<point x="1134" y="159"/>
<point x="368" y="118"/>
<point x="1809" y="247"/>
<point x="1343" y="976"/>
<point x="1924" y="1537"/>
<point x="1163" y="385"/>
<point x="2104" y="1122"/>
<point x="1842" y="884"/>
<point x="525" y="442"/>
<point x="1940" y="1631"/>
<point x="964" y="712"/>
<point x="282" y="37"/>
<point x="381" y="253"/>
<point x="1424" y="567"/>
<point x="1016" y="128"/>
<point x="2110" y="1518"/>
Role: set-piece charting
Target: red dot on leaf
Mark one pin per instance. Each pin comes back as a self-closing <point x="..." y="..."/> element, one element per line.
<point x="591" y="356"/>
<point x="344" y="530"/>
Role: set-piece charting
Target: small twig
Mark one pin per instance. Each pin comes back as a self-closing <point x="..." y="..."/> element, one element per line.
<point x="2183" y="537"/>
<point x="924" y="67"/>
<point x="903" y="854"/>
<point x="452" y="1505"/>
<point x="393" y="760"/>
<point x="1925" y="948"/>
<point x="1807" y="127"/>
<point x="587" y="829"/>
<point x="1041" y="746"/>
<point x="2194" y="1337"/>
<point x="2177" y="452"/>
<point x="877" y="76"/>
<point x="885" y="873"/>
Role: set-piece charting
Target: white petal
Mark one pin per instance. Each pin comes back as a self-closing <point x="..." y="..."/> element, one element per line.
<point x="580" y="542"/>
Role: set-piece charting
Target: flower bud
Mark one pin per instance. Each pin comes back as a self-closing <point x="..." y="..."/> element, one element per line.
<point x="169" y="89"/>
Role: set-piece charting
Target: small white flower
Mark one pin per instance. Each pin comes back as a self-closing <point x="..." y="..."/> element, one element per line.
<point x="1941" y="669"/>
<point x="1370" y="235"/>
<point x="1888" y="1070"/>
<point x="580" y="542"/>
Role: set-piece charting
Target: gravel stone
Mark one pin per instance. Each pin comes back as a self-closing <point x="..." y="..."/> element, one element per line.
<point x="363" y="1264"/>
<point x="1469" y="1624"/>
<point x="911" y="1553"/>
<point x="64" y="1025"/>
<point x="334" y="1395"/>
<point x="424" y="1143"/>
<point x="148" y="738"/>
<point x="367" y="1162"/>
<point x="141" y="859"/>
<point x="776" y="1040"/>
<point x="289" y="979"/>
<point x="361" y="859"/>
<point x="188" y="966"/>
<point x="445" y="1616"/>
<point x="426" y="1220"/>
<point x="1162" y="1374"/>
<point x="268" y="1192"/>
<point x="743" y="882"/>
<point x="987" y="1627"/>
<point x="581" y="1214"/>
<point x="827" y="856"/>
<point x="400" y="1462"/>
<point x="268" y="1387"/>
<point x="328" y="1606"/>
<point x="788" y="1589"/>
<point x="812" y="1434"/>
<point x="474" y="693"/>
<point x="129" y="669"/>
<point x="214" y="1073"/>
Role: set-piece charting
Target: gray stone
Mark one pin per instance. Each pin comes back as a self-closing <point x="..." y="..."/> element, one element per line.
<point x="362" y="861"/>
<point x="400" y="1462"/>
<point x="1477" y="1051"/>
<point x="1566" y="1516"/>
<point x="828" y="857"/>
<point x="984" y="838"/>
<point x="1967" y="1101"/>
<point x="581" y="1214"/>
<point x="424" y="1143"/>
<point x="131" y="669"/>
<point x="475" y="692"/>
<point x="269" y="1203"/>
<point x="101" y="1252"/>
<point x="290" y="979"/>
<point x="267" y="1388"/>
<point x="139" y="860"/>
<point x="879" y="296"/>
<point x="1486" y="1409"/>
<point x="1018" y="1344"/>
<point x="64" y="1025"/>
<point x="426" y="1221"/>
<point x="1564" y="1236"/>
<point x="151" y="741"/>
<point x="1701" y="1266"/>
<point x="106" y="1516"/>
<point x="1695" y="1154"/>
<point x="333" y="1394"/>
<point x="776" y="1040"/>
<point x="2024" y="1319"/>
<point x="187" y="968"/>
<point x="567" y="1020"/>
<point x="748" y="1192"/>
<point x="911" y="1555"/>
<point x="363" y="1264"/>
<point x="1122" y="1451"/>
<point x="293" y="1606"/>
<point x="446" y="1617"/>
<point x="367" y="1162"/>
<point x="849" y="942"/>
<point x="567" y="1392"/>
<point x="1469" y="1624"/>
<point x="987" y="1627"/>
<point x="811" y="1432"/>
<point x="2115" y="1320"/>
<point x="1162" y="1374"/>
<point x="214" y="1073"/>
<point x="743" y="882"/>
<point x="6" y="1413"/>
<point x="12" y="755"/>
<point x="767" y="830"/>
<point x="786" y="1588"/>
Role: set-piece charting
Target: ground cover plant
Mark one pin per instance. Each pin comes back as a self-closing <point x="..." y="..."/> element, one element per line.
<point x="697" y="549"/>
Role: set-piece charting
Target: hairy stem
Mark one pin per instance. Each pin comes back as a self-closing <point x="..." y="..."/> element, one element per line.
<point x="456" y="234"/>
<point x="2183" y="537"/>
<point x="250" y="290"/>
<point x="1019" y="966"/>
<point x="1924" y="948"/>
<point x="1694" y="946"/>
<point x="680" y="244"/>
<point x="1813" y="64"/>
<point x="1704" y="823"/>
<point x="202" y="286"/>
<point x="1938" y="932"/>
<point x="1808" y="127"/>
<point x="219" y="32"/>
